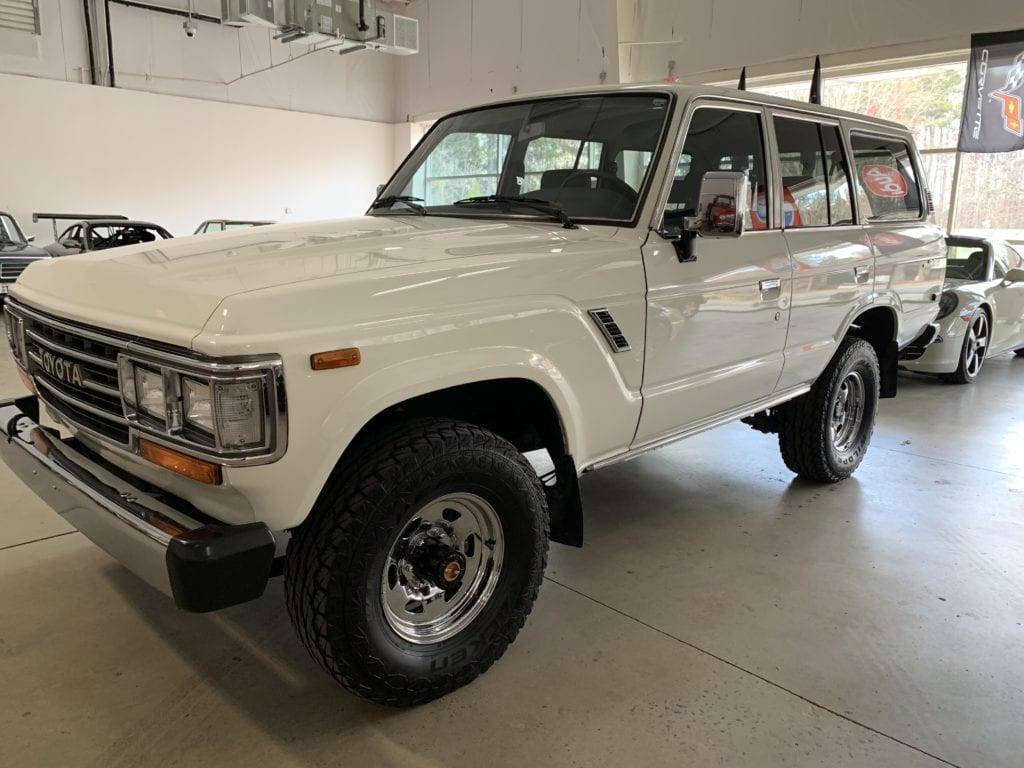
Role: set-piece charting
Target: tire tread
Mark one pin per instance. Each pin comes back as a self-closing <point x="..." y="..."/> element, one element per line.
<point x="802" y="438"/>
<point x="346" y="510"/>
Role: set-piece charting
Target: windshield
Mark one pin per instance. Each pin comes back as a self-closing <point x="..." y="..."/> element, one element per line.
<point x="9" y="232"/>
<point x="587" y="157"/>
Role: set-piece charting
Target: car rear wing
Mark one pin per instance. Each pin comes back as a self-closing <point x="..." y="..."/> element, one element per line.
<point x="55" y="217"/>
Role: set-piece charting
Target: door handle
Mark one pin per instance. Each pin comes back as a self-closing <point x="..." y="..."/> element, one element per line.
<point x="772" y="284"/>
<point x="861" y="272"/>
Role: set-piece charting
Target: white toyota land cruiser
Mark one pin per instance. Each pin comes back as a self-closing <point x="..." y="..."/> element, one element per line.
<point x="594" y="274"/>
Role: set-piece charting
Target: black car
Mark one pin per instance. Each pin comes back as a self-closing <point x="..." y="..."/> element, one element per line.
<point x="15" y="252"/>
<point x="100" y="234"/>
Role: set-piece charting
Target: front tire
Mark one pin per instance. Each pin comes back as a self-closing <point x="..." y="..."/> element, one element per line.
<point x="973" y="350"/>
<point x="824" y="434"/>
<point x="420" y="561"/>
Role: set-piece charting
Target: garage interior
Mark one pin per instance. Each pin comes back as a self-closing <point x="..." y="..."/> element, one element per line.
<point x="721" y="612"/>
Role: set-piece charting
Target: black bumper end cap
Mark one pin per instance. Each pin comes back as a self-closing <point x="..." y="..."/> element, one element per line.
<point x="217" y="566"/>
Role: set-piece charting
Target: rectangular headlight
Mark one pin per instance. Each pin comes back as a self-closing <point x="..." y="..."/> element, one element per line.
<point x="197" y="404"/>
<point x="149" y="392"/>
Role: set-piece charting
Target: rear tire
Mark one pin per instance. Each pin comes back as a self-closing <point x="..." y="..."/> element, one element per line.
<point x="420" y="561"/>
<point x="824" y="433"/>
<point x="972" y="351"/>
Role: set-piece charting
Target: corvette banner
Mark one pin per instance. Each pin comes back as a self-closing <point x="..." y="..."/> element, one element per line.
<point x="992" y="120"/>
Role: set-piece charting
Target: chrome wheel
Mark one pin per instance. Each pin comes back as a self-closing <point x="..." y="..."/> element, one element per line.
<point x="848" y="412"/>
<point x="975" y="345"/>
<point x="442" y="568"/>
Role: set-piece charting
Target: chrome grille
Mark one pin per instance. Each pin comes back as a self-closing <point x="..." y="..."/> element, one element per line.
<point x="9" y="270"/>
<point x="75" y="371"/>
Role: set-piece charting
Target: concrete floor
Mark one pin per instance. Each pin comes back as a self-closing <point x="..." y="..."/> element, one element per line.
<point x="721" y="614"/>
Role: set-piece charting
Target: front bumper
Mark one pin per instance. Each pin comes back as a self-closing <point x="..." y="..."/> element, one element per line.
<point x="203" y="566"/>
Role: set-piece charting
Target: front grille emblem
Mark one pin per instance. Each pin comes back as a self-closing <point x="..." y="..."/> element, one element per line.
<point x="61" y="369"/>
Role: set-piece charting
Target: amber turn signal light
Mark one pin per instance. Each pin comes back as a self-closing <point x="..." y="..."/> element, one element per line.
<point x="195" y="469"/>
<point x="337" y="358"/>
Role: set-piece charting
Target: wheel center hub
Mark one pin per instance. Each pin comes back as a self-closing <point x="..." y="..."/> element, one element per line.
<point x="438" y="562"/>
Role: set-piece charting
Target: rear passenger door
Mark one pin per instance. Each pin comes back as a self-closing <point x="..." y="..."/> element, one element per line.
<point x="910" y="253"/>
<point x="833" y="262"/>
<point x="716" y="326"/>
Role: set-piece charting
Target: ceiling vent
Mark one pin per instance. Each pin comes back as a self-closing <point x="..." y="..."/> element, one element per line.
<point x="399" y="34"/>
<point x="244" y="13"/>
<point x="348" y="25"/>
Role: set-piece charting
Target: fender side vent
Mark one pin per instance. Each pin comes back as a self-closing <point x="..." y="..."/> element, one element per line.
<point x="612" y="333"/>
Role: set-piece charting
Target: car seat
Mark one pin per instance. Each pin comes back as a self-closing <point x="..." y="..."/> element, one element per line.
<point x="976" y="265"/>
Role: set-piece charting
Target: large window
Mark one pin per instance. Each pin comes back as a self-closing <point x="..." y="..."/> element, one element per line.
<point x="886" y="185"/>
<point x="815" y="184"/>
<point x="585" y="158"/>
<point x="719" y="140"/>
<point x="928" y="100"/>
<point x="9" y="232"/>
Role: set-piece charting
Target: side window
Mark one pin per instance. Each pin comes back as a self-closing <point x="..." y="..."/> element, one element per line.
<point x="815" y="184"/>
<point x="548" y="154"/>
<point x="719" y="140"/>
<point x="887" y="188"/>
<point x="840" y="205"/>
<point x="804" y="182"/>
<point x="1001" y="260"/>
<point x="1014" y="258"/>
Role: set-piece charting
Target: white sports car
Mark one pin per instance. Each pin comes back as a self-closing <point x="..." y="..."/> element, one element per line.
<point x="981" y="311"/>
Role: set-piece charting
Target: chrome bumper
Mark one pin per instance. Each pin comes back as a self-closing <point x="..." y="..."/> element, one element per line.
<point x="202" y="566"/>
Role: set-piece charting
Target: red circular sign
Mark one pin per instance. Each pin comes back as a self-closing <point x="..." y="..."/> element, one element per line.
<point x="884" y="181"/>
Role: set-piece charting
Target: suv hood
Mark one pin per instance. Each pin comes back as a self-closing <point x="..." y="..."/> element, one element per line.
<point x="167" y="291"/>
<point x="21" y="251"/>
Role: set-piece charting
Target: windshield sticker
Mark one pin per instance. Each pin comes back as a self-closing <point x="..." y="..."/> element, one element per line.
<point x="883" y="181"/>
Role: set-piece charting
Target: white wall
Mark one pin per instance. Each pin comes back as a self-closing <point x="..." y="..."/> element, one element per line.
<point x="712" y="38"/>
<point x="59" y="53"/>
<point x="152" y="53"/>
<point x="177" y="161"/>
<point x="473" y="51"/>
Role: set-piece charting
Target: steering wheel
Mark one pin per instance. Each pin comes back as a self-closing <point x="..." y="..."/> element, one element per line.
<point x="604" y="180"/>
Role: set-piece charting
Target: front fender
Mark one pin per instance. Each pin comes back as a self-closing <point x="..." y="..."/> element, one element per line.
<point x="570" y="362"/>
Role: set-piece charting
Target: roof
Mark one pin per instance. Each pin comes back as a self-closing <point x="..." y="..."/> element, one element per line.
<point x="686" y="93"/>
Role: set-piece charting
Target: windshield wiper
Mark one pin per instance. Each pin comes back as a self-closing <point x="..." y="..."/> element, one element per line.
<point x="544" y="206"/>
<point x="408" y="200"/>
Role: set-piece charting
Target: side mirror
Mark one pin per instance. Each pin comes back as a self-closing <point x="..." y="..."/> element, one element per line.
<point x="70" y="244"/>
<point x="380" y="188"/>
<point x="30" y="239"/>
<point x="1015" y="275"/>
<point x="723" y="207"/>
<point x="722" y="210"/>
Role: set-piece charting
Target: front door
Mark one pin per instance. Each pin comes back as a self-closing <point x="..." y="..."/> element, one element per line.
<point x="716" y="326"/>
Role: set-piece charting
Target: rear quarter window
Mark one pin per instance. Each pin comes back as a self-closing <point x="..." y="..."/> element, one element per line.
<point x="887" y="185"/>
